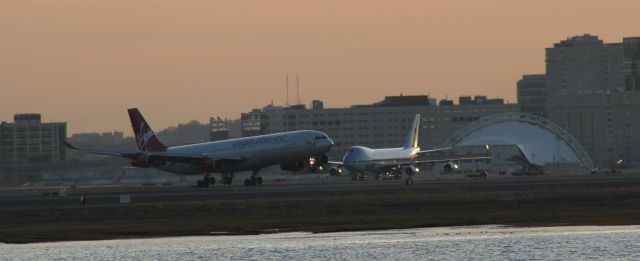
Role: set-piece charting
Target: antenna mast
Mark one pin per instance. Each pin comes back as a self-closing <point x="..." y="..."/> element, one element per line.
<point x="298" y="89"/>
<point x="287" y="84"/>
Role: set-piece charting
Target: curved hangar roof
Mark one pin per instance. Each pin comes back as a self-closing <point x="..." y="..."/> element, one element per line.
<point x="540" y="139"/>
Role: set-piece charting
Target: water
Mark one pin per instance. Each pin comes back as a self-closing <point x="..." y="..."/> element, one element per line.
<point x="451" y="243"/>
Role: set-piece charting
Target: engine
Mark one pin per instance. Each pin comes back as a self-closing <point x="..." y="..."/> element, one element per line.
<point x="411" y="170"/>
<point x="335" y="171"/>
<point x="212" y="165"/>
<point x="146" y="162"/>
<point x="293" y="166"/>
<point x="449" y="166"/>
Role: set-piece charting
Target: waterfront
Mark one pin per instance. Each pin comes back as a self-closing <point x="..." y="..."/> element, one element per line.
<point x="447" y="243"/>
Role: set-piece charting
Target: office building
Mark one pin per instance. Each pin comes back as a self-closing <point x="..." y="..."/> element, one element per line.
<point x="605" y="124"/>
<point x="28" y="140"/>
<point x="218" y="129"/>
<point x="532" y="94"/>
<point x="632" y="63"/>
<point x="383" y="124"/>
<point x="584" y="64"/>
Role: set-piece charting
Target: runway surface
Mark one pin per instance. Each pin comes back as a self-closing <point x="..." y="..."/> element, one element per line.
<point x="106" y="195"/>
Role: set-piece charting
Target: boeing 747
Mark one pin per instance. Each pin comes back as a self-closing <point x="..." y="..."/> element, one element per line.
<point x="361" y="160"/>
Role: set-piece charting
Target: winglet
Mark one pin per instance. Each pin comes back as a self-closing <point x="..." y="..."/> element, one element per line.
<point x="412" y="137"/>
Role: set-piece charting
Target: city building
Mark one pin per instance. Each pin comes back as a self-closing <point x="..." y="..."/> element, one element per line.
<point x="532" y="94"/>
<point x="383" y="124"/>
<point x="606" y="124"/>
<point x="252" y="123"/>
<point x="219" y="129"/>
<point x="582" y="64"/>
<point x="591" y="90"/>
<point x="28" y="140"/>
<point x="632" y="63"/>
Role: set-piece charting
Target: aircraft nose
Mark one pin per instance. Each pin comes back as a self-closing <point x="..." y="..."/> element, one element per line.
<point x="330" y="141"/>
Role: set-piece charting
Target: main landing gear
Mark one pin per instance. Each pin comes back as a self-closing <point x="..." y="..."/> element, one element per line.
<point x="227" y="178"/>
<point x="254" y="180"/>
<point x="206" y="181"/>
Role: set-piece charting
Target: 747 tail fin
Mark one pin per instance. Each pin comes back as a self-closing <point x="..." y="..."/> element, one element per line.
<point x="412" y="137"/>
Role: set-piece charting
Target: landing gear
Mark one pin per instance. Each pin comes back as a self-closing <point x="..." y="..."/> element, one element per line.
<point x="254" y="180"/>
<point x="227" y="178"/>
<point x="409" y="181"/>
<point x="206" y="181"/>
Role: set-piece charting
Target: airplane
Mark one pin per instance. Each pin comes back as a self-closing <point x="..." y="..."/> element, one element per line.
<point x="362" y="160"/>
<point x="293" y="150"/>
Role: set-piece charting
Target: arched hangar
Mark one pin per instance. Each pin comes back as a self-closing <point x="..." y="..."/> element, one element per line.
<point x="543" y="142"/>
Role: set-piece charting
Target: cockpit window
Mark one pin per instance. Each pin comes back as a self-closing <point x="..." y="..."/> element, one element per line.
<point x="320" y="138"/>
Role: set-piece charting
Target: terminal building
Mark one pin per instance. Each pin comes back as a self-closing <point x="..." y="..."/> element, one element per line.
<point x="29" y="140"/>
<point x="382" y="124"/>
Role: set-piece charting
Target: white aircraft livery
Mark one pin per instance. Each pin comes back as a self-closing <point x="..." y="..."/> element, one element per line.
<point x="361" y="160"/>
<point x="293" y="150"/>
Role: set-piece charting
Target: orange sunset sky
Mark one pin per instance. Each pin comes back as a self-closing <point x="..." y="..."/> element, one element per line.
<point x="86" y="61"/>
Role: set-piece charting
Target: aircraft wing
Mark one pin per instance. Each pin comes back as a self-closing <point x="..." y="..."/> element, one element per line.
<point x="336" y="163"/>
<point x="130" y="154"/>
<point x="448" y="160"/>
<point x="433" y="150"/>
<point x="168" y="156"/>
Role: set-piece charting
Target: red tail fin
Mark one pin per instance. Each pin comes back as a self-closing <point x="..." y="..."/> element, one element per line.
<point x="146" y="139"/>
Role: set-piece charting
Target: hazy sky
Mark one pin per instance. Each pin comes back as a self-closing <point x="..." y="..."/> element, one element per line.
<point x="87" y="61"/>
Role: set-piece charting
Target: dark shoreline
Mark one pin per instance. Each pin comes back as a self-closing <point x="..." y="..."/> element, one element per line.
<point x="363" y="210"/>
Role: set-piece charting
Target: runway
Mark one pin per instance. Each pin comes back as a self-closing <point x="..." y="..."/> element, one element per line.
<point x="330" y="186"/>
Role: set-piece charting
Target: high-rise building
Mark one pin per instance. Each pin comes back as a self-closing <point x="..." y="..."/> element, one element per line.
<point x="28" y="140"/>
<point x="591" y="91"/>
<point x="605" y="124"/>
<point x="583" y="64"/>
<point x="631" y="63"/>
<point x="532" y="94"/>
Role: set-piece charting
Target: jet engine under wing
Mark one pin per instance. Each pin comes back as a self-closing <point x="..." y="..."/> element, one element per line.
<point x="168" y="156"/>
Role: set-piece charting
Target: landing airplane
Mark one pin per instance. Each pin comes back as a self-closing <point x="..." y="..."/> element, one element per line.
<point x="362" y="160"/>
<point x="293" y="150"/>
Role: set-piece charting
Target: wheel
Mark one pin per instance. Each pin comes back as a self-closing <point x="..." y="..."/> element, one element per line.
<point x="212" y="181"/>
<point x="259" y="180"/>
<point x="199" y="184"/>
<point x="247" y="182"/>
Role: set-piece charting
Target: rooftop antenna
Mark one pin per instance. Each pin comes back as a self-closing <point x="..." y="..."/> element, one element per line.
<point x="298" y="89"/>
<point x="287" y="83"/>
